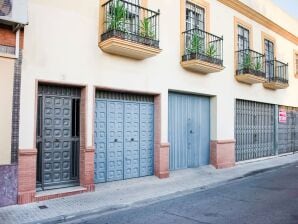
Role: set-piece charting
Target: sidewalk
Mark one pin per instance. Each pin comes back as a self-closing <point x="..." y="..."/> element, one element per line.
<point x="122" y="194"/>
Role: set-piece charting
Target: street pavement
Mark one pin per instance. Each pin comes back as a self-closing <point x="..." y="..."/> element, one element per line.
<point x="269" y="197"/>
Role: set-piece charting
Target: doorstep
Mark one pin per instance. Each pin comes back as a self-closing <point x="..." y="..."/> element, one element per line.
<point x="59" y="193"/>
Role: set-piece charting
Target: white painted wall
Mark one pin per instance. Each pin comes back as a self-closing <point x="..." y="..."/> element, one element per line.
<point x="6" y="95"/>
<point x="61" y="45"/>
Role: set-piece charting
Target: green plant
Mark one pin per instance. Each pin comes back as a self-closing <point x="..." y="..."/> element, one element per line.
<point x="247" y="62"/>
<point x="196" y="44"/>
<point x="117" y="17"/>
<point x="211" y="51"/>
<point x="258" y="65"/>
<point x="146" y="28"/>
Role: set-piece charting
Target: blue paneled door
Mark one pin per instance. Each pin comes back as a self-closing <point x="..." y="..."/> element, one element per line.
<point x="189" y="130"/>
<point x="124" y="139"/>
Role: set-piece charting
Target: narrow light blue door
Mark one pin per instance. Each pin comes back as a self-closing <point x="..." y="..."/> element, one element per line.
<point x="124" y="139"/>
<point x="115" y="140"/>
<point x="189" y="130"/>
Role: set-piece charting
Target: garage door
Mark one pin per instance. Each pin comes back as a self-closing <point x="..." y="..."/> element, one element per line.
<point x="189" y="130"/>
<point x="254" y="130"/>
<point x="288" y="130"/>
<point x="124" y="127"/>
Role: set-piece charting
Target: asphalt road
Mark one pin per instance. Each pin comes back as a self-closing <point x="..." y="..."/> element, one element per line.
<point x="266" y="198"/>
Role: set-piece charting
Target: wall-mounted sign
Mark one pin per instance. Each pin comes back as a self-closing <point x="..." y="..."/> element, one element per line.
<point x="282" y="116"/>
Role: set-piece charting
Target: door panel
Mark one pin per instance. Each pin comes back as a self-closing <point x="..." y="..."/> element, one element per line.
<point x="123" y="136"/>
<point x="131" y="140"/>
<point x="58" y="137"/>
<point x="189" y="130"/>
<point x="146" y="139"/>
<point x="115" y="141"/>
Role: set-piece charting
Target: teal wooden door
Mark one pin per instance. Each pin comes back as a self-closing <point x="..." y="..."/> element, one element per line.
<point x="189" y="130"/>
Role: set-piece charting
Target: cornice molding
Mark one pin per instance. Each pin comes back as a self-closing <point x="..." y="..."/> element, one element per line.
<point x="259" y="18"/>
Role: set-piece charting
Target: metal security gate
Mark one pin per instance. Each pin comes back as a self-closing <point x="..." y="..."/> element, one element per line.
<point x="58" y="137"/>
<point x="189" y="130"/>
<point x="124" y="142"/>
<point x="254" y="130"/>
<point x="288" y="131"/>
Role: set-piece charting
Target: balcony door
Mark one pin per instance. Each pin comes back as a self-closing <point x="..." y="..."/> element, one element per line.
<point x="269" y="54"/>
<point x="195" y="25"/>
<point x="243" y="38"/>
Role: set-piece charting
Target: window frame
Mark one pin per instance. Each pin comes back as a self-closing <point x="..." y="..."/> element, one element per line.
<point x="200" y="3"/>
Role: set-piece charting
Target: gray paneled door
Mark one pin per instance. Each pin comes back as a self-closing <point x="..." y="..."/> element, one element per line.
<point x="254" y="130"/>
<point x="124" y="141"/>
<point x="288" y="131"/>
<point x="189" y="130"/>
<point x="58" y="137"/>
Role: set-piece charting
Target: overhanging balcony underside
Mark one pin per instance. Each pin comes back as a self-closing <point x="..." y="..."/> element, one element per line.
<point x="202" y="52"/>
<point x="129" y="30"/>
<point x="277" y="75"/>
<point x="250" y="67"/>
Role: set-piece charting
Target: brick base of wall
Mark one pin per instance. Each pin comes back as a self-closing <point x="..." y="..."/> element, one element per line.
<point x="26" y="175"/>
<point x="87" y="169"/>
<point x="161" y="161"/>
<point x="222" y="153"/>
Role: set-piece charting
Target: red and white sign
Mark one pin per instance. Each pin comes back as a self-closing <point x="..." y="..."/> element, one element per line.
<point x="282" y="116"/>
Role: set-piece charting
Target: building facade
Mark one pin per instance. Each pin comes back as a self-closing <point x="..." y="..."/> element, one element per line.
<point x="114" y="89"/>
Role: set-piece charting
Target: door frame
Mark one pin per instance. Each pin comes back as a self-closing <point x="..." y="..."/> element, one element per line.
<point x="84" y="149"/>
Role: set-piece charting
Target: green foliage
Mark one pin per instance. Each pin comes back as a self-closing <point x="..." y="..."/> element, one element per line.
<point x="196" y="44"/>
<point x="211" y="51"/>
<point x="258" y="65"/>
<point x="146" y="28"/>
<point x="117" y="17"/>
<point x="247" y="62"/>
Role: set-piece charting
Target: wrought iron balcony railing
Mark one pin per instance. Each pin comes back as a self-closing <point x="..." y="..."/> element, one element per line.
<point x="129" y="21"/>
<point x="204" y="46"/>
<point x="277" y="71"/>
<point x="250" y="62"/>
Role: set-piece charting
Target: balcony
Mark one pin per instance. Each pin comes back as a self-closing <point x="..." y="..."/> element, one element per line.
<point x="250" y="67"/>
<point x="203" y="52"/>
<point x="277" y="75"/>
<point x="129" y="30"/>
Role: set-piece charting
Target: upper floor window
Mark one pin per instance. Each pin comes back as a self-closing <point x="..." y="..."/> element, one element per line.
<point x="195" y="17"/>
<point x="243" y="38"/>
<point x="269" y="56"/>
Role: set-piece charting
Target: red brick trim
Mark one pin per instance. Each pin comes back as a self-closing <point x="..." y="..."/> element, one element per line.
<point x="26" y="175"/>
<point x="222" y="153"/>
<point x="161" y="160"/>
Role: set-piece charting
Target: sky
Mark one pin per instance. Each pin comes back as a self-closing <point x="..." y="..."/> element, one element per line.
<point x="290" y="6"/>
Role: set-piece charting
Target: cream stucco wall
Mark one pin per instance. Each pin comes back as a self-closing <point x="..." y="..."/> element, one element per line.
<point x="61" y="45"/>
<point x="6" y="94"/>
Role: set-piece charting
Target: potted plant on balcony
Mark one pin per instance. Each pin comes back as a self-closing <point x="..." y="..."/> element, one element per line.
<point x="196" y="46"/>
<point x="247" y="64"/>
<point x="211" y="52"/>
<point x="146" y="31"/>
<point x="258" y="67"/>
<point x="116" y="18"/>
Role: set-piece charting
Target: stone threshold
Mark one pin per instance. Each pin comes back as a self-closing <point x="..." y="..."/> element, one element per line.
<point x="58" y="193"/>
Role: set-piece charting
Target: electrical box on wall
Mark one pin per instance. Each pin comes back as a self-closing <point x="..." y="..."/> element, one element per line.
<point x="14" y="12"/>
